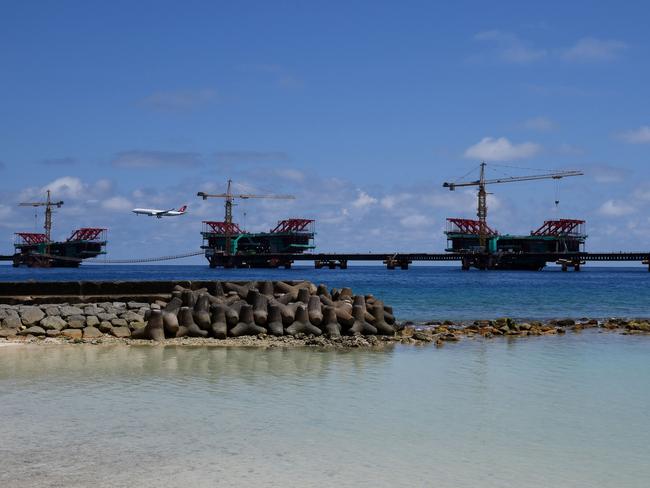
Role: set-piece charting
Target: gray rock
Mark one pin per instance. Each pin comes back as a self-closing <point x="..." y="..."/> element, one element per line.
<point x="68" y="310"/>
<point x="119" y="305"/>
<point x="8" y="332"/>
<point x="105" y="326"/>
<point x="91" y="333"/>
<point x="93" y="310"/>
<point x="53" y="333"/>
<point x="133" y="305"/>
<point x="136" y="325"/>
<point x="121" y="332"/>
<point x="52" y="311"/>
<point x="33" y="330"/>
<point x="76" y="322"/>
<point x="53" y="322"/>
<point x="72" y="333"/>
<point x="132" y="317"/>
<point x="12" y="322"/>
<point x="106" y="316"/>
<point x="92" y="321"/>
<point x="119" y="323"/>
<point x="31" y="315"/>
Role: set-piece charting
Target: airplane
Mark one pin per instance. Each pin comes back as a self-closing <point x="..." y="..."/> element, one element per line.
<point x="154" y="212"/>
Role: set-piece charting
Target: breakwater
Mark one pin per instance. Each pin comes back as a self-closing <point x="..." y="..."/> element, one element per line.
<point x="214" y="309"/>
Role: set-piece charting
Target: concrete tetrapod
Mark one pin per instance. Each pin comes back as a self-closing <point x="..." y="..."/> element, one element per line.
<point x="201" y="312"/>
<point x="314" y="310"/>
<point x="303" y="296"/>
<point x="302" y="324"/>
<point x="383" y="328"/>
<point x="274" y="325"/>
<point x="246" y="326"/>
<point x="361" y="301"/>
<point x="260" y="304"/>
<point x="188" y="298"/>
<point x="187" y="326"/>
<point x="242" y="290"/>
<point x="330" y="325"/>
<point x="218" y="327"/>
<point x="287" y="312"/>
<point x="343" y="310"/>
<point x="154" y="329"/>
<point x="360" y="326"/>
<point x="170" y="316"/>
<point x="266" y="288"/>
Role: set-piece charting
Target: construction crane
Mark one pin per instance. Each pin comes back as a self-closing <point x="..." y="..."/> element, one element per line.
<point x="482" y="193"/>
<point x="48" y="204"/>
<point x="229" y="197"/>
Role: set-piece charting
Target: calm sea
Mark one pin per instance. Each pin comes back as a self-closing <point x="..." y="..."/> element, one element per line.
<point x="427" y="292"/>
<point x="562" y="412"/>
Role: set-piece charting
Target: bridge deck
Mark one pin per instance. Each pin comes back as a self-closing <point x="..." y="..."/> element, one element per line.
<point x="549" y="257"/>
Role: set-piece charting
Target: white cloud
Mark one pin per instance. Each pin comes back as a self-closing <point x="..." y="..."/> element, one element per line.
<point x="510" y="47"/>
<point x="117" y="203"/>
<point x="363" y="200"/>
<point x="501" y="149"/>
<point x="66" y="186"/>
<point x="591" y="49"/>
<point x="391" y="201"/>
<point x="637" y="136"/>
<point x="615" y="208"/>
<point x="414" y="221"/>
<point x="540" y="124"/>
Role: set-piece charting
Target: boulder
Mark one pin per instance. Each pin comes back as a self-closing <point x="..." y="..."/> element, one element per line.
<point x="53" y="322"/>
<point x="133" y="305"/>
<point x="4" y="333"/>
<point x="91" y="333"/>
<point x="131" y="316"/>
<point x="53" y="333"/>
<point x="93" y="310"/>
<point x="71" y="333"/>
<point x="52" y="311"/>
<point x="92" y="321"/>
<point x="11" y="322"/>
<point x="121" y="332"/>
<point x="68" y="310"/>
<point x="31" y="315"/>
<point x="119" y="323"/>
<point x="34" y="330"/>
<point x="76" y="321"/>
<point x="105" y="326"/>
<point x="106" y="316"/>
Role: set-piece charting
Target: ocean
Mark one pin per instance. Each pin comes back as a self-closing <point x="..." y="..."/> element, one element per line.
<point x="564" y="411"/>
<point x="425" y="292"/>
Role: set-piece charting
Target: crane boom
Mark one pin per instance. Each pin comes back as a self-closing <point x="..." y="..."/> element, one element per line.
<point x="482" y="193"/>
<point x="510" y="179"/>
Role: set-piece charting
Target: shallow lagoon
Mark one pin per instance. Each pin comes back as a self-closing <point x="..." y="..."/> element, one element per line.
<point x="562" y="411"/>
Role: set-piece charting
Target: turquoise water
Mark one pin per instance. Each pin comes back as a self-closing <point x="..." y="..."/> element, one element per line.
<point x="564" y="411"/>
<point x="431" y="292"/>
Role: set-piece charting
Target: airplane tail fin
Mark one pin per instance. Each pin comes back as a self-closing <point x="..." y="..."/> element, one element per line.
<point x="183" y="208"/>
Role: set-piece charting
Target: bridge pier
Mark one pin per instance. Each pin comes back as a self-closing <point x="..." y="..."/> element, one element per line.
<point x="331" y="264"/>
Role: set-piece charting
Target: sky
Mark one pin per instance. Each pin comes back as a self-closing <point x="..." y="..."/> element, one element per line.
<point x="361" y="110"/>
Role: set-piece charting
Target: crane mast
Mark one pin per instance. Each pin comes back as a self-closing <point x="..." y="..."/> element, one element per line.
<point x="482" y="193"/>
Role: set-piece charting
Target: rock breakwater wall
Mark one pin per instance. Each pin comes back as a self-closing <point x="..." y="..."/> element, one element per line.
<point x="212" y="309"/>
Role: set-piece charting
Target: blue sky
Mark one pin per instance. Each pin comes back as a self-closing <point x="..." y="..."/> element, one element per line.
<point x="359" y="109"/>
